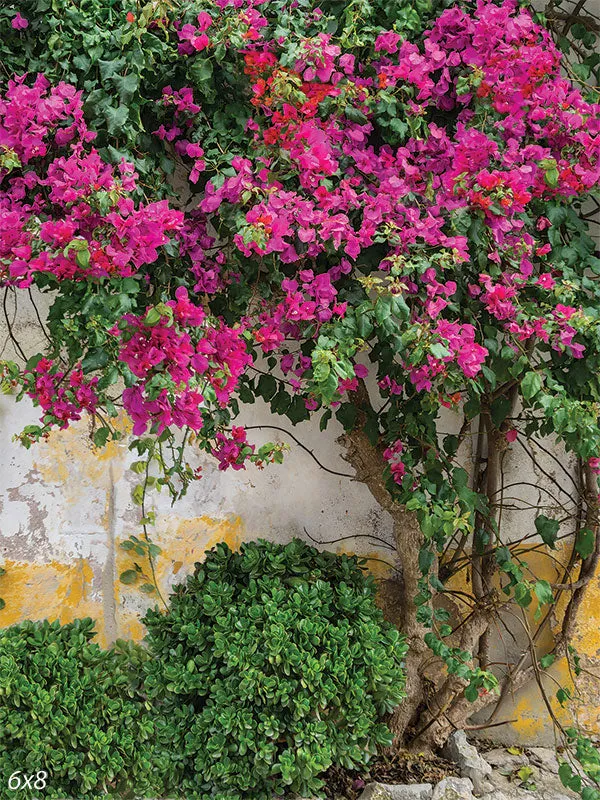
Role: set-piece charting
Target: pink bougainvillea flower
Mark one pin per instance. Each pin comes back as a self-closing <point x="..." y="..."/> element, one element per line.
<point x="19" y="23"/>
<point x="594" y="465"/>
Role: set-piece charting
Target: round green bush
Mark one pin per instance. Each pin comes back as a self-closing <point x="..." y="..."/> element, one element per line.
<point x="73" y="711"/>
<point x="271" y="664"/>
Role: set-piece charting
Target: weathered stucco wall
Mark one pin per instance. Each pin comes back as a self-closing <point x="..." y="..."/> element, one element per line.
<point x="64" y="509"/>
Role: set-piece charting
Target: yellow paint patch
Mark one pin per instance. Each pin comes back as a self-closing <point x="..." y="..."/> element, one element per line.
<point x="183" y="542"/>
<point x="130" y="627"/>
<point x="527" y="724"/>
<point x="587" y="635"/>
<point x="69" y="458"/>
<point x="187" y="539"/>
<point x="528" y="707"/>
<point x="49" y="591"/>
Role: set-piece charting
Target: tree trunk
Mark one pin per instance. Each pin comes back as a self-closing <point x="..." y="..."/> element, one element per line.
<point x="398" y="601"/>
<point x="408" y="537"/>
<point x="419" y="720"/>
<point x="436" y="704"/>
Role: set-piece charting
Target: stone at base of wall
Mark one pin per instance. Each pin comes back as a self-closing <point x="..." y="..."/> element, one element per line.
<point x="462" y="789"/>
<point x="401" y="791"/>
<point x="528" y="774"/>
<point x="469" y="762"/>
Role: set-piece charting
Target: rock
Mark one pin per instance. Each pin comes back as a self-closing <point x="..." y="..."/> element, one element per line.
<point x="397" y="791"/>
<point x="409" y="791"/>
<point x="469" y="762"/>
<point x="514" y="795"/>
<point x="375" y="791"/>
<point x="498" y="796"/>
<point x="453" y="789"/>
<point x="499" y="758"/>
<point x="544" y="758"/>
<point x="550" y="795"/>
<point x="511" y="791"/>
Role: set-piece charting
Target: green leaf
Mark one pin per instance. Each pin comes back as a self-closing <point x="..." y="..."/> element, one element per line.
<point x="582" y="71"/>
<point x="153" y="317"/>
<point x="567" y="776"/>
<point x="531" y="385"/>
<point x="83" y="258"/>
<point x="201" y="70"/>
<point x="128" y="577"/>
<point x="116" y="119"/>
<point x="137" y="494"/>
<point x="590" y="793"/>
<point x="547" y="530"/>
<point x="439" y="350"/>
<point x="399" y="307"/>
<point x="354" y="115"/>
<point x="296" y="410"/>
<point x="522" y="595"/>
<point x="100" y="436"/>
<point x="325" y="419"/>
<point x="563" y="696"/>
<point x="110" y="68"/>
<point x="266" y="387"/>
<point x="499" y="410"/>
<point x="551" y="177"/>
<point x="383" y="309"/>
<point x="547" y="660"/>
<point x="127" y="85"/>
<point x="426" y="559"/>
<point x="472" y="407"/>
<point x="450" y="444"/>
<point x="346" y="414"/>
<point x="471" y="693"/>
<point x="543" y="592"/>
<point x="82" y="62"/>
<point x="585" y="543"/>
<point x="95" y="359"/>
<point x="364" y="325"/>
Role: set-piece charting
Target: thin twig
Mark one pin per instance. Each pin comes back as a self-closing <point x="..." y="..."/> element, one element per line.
<point x="303" y="446"/>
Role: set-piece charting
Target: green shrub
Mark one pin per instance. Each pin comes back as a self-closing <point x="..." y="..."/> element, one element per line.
<point x="271" y="664"/>
<point x="72" y="710"/>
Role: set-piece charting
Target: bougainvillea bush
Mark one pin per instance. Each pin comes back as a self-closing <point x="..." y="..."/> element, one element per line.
<point x="270" y="665"/>
<point x="363" y="212"/>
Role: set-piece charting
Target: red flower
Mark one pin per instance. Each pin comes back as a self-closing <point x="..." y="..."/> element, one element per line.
<point x="130" y="17"/>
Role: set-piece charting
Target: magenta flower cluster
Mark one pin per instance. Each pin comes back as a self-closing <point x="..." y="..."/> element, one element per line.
<point x="315" y="188"/>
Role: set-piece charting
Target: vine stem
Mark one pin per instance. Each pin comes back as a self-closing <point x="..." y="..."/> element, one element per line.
<point x="145" y="529"/>
<point x="303" y="446"/>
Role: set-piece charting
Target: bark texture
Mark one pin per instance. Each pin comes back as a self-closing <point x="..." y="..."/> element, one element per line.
<point x="435" y="704"/>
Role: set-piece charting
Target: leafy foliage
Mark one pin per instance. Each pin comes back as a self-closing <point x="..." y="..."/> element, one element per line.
<point x="271" y="664"/>
<point x="73" y="710"/>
